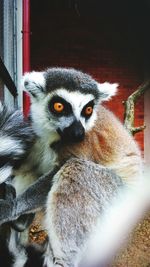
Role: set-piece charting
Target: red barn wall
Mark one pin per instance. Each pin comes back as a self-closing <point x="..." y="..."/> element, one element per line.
<point x="72" y="37"/>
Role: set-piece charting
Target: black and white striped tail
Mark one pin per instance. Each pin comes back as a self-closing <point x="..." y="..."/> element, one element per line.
<point x="13" y="254"/>
<point x="16" y="138"/>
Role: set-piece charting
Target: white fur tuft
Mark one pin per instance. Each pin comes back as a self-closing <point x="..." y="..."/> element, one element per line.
<point x="107" y="90"/>
<point x="34" y="83"/>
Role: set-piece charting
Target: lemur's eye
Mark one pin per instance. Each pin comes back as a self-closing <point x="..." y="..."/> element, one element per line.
<point x="59" y="107"/>
<point x="88" y="111"/>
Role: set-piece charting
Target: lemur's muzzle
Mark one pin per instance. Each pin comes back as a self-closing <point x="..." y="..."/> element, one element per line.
<point x="73" y="133"/>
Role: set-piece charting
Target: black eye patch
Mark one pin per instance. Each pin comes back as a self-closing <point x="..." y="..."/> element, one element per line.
<point x="88" y="110"/>
<point x="58" y="101"/>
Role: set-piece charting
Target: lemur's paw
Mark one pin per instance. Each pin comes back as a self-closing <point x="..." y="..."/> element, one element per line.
<point x="22" y="222"/>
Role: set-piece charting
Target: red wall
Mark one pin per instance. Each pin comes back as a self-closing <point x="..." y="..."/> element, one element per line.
<point x="69" y="37"/>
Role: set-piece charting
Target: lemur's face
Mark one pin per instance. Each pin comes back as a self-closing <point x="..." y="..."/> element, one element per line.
<point x="71" y="113"/>
<point x="64" y="102"/>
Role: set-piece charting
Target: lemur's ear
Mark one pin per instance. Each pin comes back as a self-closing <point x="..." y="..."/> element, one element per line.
<point x="107" y="90"/>
<point x="34" y="83"/>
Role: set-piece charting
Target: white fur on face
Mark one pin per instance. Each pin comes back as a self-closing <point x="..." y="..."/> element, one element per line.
<point x="77" y="100"/>
<point x="45" y="124"/>
<point x="42" y="122"/>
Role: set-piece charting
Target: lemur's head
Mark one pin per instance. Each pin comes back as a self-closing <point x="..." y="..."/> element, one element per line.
<point x="64" y="101"/>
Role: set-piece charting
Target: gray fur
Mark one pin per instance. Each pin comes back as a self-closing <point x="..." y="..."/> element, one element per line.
<point x="82" y="191"/>
<point x="17" y="132"/>
<point x="70" y="79"/>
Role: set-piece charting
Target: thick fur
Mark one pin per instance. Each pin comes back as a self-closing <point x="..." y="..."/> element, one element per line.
<point x="13" y="254"/>
<point x="106" y="143"/>
<point x="81" y="193"/>
<point x="43" y="157"/>
<point x="16" y="138"/>
<point x="23" y="257"/>
<point x="6" y="256"/>
<point x="70" y="218"/>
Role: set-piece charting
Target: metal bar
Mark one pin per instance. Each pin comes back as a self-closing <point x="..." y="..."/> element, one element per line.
<point x="7" y="80"/>
<point x="26" y="51"/>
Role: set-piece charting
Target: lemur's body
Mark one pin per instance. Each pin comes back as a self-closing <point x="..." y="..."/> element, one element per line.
<point x="71" y="124"/>
<point x="108" y="144"/>
<point x="118" y="152"/>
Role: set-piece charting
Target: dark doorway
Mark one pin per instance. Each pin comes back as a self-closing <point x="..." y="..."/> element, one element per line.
<point x="107" y="39"/>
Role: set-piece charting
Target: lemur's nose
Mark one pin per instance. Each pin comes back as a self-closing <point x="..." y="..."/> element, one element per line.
<point x="73" y="133"/>
<point x="77" y="131"/>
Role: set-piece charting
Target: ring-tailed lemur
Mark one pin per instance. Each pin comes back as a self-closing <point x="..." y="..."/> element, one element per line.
<point x="66" y="110"/>
<point x="82" y="117"/>
<point x="80" y="96"/>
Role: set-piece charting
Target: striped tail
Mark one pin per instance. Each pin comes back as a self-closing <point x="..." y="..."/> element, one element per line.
<point x="16" y="139"/>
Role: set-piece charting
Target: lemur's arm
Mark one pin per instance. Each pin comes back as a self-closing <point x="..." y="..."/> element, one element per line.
<point x="31" y="200"/>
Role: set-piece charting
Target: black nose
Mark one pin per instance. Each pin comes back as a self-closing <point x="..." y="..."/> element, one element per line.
<point x="74" y="133"/>
<point x="77" y="131"/>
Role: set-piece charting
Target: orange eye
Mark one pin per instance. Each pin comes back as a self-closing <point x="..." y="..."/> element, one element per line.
<point x="59" y="107"/>
<point x="89" y="110"/>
